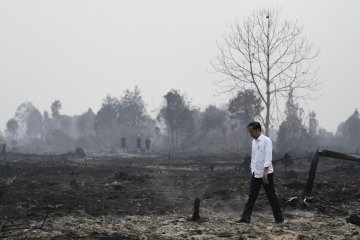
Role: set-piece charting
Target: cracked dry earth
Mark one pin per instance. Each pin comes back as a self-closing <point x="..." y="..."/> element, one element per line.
<point x="152" y="198"/>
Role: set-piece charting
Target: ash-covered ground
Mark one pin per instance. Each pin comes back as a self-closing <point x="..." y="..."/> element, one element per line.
<point x="152" y="197"/>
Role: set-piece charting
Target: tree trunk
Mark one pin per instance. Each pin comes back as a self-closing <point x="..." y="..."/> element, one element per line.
<point x="176" y="139"/>
<point x="225" y="140"/>
<point x="267" y="123"/>
<point x="172" y="141"/>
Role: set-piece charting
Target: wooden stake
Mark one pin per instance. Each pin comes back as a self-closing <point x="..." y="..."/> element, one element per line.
<point x="196" y="215"/>
<point x="312" y="172"/>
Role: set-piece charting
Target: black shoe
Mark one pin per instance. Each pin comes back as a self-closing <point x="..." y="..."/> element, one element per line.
<point x="243" y="220"/>
<point x="281" y="221"/>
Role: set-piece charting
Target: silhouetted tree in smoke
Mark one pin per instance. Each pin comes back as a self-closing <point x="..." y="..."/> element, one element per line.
<point x="45" y="124"/>
<point x="105" y="120"/>
<point x="293" y="135"/>
<point x="313" y="124"/>
<point x="85" y="123"/>
<point x="177" y="116"/>
<point x="55" y="109"/>
<point x="125" y="116"/>
<point x="245" y="107"/>
<point x="29" y="120"/>
<point x="325" y="137"/>
<point x="68" y="125"/>
<point x="348" y="133"/>
<point x="11" y="129"/>
<point x="214" y="119"/>
<point x="292" y="130"/>
<point x="106" y="116"/>
<point x="34" y="123"/>
<point x="131" y="110"/>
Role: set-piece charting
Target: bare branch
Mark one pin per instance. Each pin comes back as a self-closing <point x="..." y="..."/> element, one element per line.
<point x="268" y="55"/>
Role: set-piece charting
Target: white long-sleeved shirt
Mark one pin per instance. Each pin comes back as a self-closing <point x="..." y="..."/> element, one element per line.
<point x="261" y="156"/>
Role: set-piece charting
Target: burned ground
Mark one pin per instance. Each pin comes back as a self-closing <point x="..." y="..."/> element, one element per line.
<point x="150" y="197"/>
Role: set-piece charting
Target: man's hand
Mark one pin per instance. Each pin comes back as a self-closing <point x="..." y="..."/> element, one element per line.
<point x="9" y="181"/>
<point x="265" y="178"/>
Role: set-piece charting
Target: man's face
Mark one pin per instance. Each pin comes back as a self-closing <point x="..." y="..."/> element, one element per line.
<point x="254" y="133"/>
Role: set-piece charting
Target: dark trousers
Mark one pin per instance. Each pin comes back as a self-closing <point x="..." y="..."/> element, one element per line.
<point x="270" y="193"/>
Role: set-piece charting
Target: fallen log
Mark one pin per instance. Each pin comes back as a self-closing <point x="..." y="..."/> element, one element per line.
<point x="329" y="154"/>
<point x="337" y="155"/>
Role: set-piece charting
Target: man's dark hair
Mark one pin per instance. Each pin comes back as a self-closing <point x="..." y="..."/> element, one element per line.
<point x="255" y="125"/>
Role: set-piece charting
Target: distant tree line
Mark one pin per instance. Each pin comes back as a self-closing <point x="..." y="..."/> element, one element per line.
<point x="178" y="126"/>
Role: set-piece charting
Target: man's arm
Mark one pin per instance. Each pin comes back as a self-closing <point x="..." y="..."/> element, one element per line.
<point x="268" y="154"/>
<point x="265" y="179"/>
<point x="268" y="160"/>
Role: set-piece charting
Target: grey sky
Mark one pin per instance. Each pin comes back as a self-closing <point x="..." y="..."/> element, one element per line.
<point x="79" y="51"/>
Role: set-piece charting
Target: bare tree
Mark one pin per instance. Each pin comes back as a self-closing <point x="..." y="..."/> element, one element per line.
<point x="269" y="56"/>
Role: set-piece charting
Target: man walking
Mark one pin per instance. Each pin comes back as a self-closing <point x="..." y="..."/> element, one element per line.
<point x="262" y="174"/>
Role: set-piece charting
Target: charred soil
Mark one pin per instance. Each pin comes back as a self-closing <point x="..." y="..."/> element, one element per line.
<point x="150" y="197"/>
